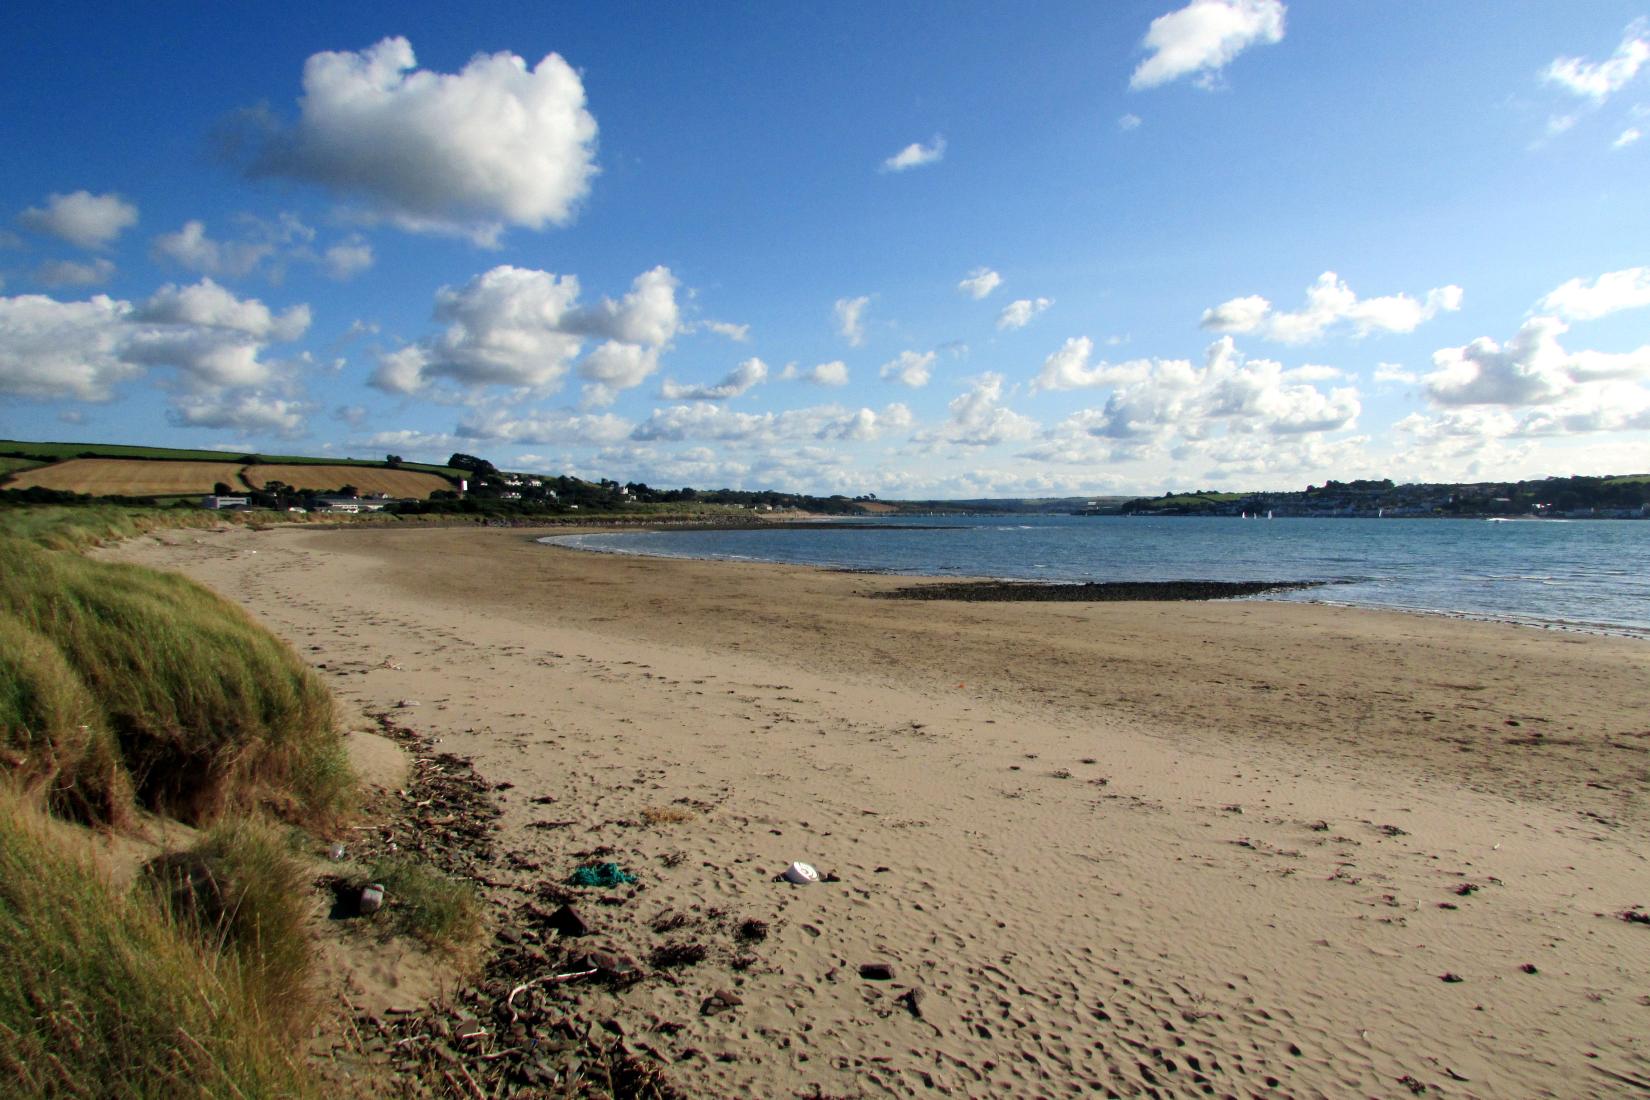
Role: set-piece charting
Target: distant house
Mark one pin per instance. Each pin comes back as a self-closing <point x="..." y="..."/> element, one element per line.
<point x="351" y="505"/>
<point x="218" y="503"/>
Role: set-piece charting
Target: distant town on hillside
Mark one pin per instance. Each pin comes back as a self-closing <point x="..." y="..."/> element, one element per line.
<point x="67" y="473"/>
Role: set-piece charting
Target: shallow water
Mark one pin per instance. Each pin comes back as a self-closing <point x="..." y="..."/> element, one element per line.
<point x="1590" y="575"/>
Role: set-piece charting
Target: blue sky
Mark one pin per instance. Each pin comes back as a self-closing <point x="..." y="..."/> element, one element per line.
<point x="941" y="250"/>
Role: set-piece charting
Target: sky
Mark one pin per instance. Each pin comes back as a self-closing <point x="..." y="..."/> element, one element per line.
<point x="924" y="250"/>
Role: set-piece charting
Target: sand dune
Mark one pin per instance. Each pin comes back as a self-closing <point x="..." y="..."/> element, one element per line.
<point x="1224" y="849"/>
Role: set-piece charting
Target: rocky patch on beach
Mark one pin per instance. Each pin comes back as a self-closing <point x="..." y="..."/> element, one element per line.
<point x="1090" y="591"/>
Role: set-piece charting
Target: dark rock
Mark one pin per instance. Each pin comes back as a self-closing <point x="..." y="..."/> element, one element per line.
<point x="912" y="1000"/>
<point x="599" y="960"/>
<point x="877" y="972"/>
<point x="729" y="997"/>
<point x="614" y="1026"/>
<point x="568" y="922"/>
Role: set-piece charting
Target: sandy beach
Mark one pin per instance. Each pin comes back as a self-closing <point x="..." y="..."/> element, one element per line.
<point x="1238" y="848"/>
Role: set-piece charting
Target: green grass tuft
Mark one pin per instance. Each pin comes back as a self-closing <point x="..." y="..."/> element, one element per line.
<point x="421" y="901"/>
<point x="103" y="995"/>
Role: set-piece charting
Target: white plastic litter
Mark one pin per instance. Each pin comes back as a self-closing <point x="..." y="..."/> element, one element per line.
<point x="802" y="874"/>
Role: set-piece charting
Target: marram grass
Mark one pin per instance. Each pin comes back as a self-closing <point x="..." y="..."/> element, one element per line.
<point x="107" y="994"/>
<point x="202" y="707"/>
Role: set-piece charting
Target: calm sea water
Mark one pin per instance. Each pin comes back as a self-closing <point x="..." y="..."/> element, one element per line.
<point x="1592" y="575"/>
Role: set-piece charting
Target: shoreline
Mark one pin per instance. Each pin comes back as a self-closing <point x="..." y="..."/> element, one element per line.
<point x="1119" y="846"/>
<point x="1613" y="630"/>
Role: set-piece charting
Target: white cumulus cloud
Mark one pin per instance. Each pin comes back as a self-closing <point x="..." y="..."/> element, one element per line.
<point x="190" y="247"/>
<point x="1533" y="368"/>
<point x="980" y="282"/>
<point x="1578" y="300"/>
<point x="543" y="428"/>
<point x="1626" y="138"/>
<point x="1330" y="302"/>
<point x="739" y="334"/>
<point x="1203" y="37"/>
<point x="850" y="319"/>
<point x="56" y="273"/>
<point x="1018" y="313"/>
<point x="1068" y="368"/>
<point x="63" y="349"/>
<point x="978" y="418"/>
<point x="494" y="144"/>
<point x="1167" y="403"/>
<point x="82" y="218"/>
<point x="523" y="328"/>
<point x="743" y="378"/>
<point x="910" y="368"/>
<point x="348" y="258"/>
<point x="213" y="340"/>
<point x="1598" y="80"/>
<point x="834" y="373"/>
<point x="242" y="412"/>
<point x="916" y="155"/>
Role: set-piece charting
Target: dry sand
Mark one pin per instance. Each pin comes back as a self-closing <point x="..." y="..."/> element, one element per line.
<point x="1144" y="849"/>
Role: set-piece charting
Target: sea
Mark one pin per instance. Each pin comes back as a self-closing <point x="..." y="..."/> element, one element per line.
<point x="1585" y="575"/>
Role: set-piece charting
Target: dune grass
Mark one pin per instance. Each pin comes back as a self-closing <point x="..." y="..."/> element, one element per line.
<point x="76" y="527"/>
<point x="239" y="892"/>
<point x="201" y="707"/>
<point x="108" y="994"/>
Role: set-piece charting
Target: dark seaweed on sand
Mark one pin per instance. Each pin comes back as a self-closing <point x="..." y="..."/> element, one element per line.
<point x="1090" y="591"/>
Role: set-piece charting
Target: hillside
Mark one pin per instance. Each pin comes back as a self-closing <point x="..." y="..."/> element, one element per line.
<point x="109" y="470"/>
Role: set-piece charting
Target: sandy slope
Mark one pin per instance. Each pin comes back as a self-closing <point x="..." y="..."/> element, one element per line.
<point x="1187" y="848"/>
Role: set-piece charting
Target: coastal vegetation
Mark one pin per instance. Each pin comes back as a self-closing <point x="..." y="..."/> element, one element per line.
<point x="134" y="702"/>
<point x="107" y="992"/>
<point x="1624" y="496"/>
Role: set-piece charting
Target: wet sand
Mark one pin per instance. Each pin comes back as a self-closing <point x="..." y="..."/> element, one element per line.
<point x="1196" y="848"/>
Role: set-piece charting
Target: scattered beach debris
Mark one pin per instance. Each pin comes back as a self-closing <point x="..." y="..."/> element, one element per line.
<point x="607" y="875"/>
<point x="912" y="1000"/>
<point x="1391" y="830"/>
<point x="670" y="956"/>
<point x="1450" y="976"/>
<point x="1635" y="915"/>
<point x="877" y="972"/>
<point x="1466" y="889"/>
<point x="752" y="931"/>
<point x="801" y="874"/>
<point x="403" y="704"/>
<point x="335" y="851"/>
<point x="371" y="899"/>
<point x="1529" y="968"/>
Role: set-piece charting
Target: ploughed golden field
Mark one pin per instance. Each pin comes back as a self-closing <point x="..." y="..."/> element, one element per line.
<point x="143" y="477"/>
